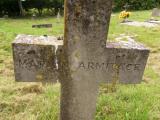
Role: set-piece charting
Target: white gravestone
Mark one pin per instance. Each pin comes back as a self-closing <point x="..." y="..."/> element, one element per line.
<point x="156" y="12"/>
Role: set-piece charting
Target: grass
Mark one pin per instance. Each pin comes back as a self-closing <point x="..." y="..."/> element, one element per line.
<point x="32" y="101"/>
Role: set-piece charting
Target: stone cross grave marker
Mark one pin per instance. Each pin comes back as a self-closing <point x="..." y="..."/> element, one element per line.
<point x="126" y="6"/>
<point x="83" y="62"/>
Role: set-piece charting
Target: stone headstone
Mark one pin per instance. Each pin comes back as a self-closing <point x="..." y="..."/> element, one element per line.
<point x="35" y="58"/>
<point x="58" y="16"/>
<point x="156" y="12"/>
<point x="42" y="26"/>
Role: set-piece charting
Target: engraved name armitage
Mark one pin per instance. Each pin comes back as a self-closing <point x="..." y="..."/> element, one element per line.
<point x="109" y="66"/>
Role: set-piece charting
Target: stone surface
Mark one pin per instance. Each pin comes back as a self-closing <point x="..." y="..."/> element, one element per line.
<point x="42" y="26"/>
<point x="140" y="24"/>
<point x="123" y="62"/>
<point x="35" y="58"/>
<point x="86" y="29"/>
<point x="156" y="12"/>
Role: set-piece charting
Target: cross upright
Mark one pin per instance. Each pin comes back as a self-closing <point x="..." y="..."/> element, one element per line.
<point x="86" y="28"/>
<point x="84" y="61"/>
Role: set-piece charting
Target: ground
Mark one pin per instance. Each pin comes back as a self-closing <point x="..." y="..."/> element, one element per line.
<point x="35" y="101"/>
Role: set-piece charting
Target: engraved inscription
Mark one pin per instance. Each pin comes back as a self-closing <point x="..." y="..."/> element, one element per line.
<point x="105" y="66"/>
<point x="31" y="63"/>
<point x="109" y="66"/>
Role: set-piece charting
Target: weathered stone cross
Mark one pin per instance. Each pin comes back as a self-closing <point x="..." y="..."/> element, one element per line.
<point x="84" y="61"/>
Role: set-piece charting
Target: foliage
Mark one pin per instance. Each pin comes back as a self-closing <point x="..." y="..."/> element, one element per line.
<point x="136" y="4"/>
<point x="11" y="7"/>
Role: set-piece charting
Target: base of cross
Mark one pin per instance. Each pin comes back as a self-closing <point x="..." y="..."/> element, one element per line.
<point x="36" y="59"/>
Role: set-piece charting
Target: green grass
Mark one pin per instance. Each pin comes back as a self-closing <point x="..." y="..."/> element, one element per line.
<point x="32" y="101"/>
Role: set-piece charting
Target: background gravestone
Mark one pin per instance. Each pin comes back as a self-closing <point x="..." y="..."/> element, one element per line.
<point x="156" y="12"/>
<point x="42" y="26"/>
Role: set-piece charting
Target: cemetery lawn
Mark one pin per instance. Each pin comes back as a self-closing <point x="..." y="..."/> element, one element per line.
<point x="34" y="101"/>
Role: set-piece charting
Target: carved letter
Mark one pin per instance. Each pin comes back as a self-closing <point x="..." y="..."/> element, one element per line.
<point x="100" y="65"/>
<point x="128" y="67"/>
<point x="90" y="65"/>
<point x="137" y="67"/>
<point x="82" y="65"/>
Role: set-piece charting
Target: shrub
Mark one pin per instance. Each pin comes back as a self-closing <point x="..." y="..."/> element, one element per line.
<point x="135" y="4"/>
